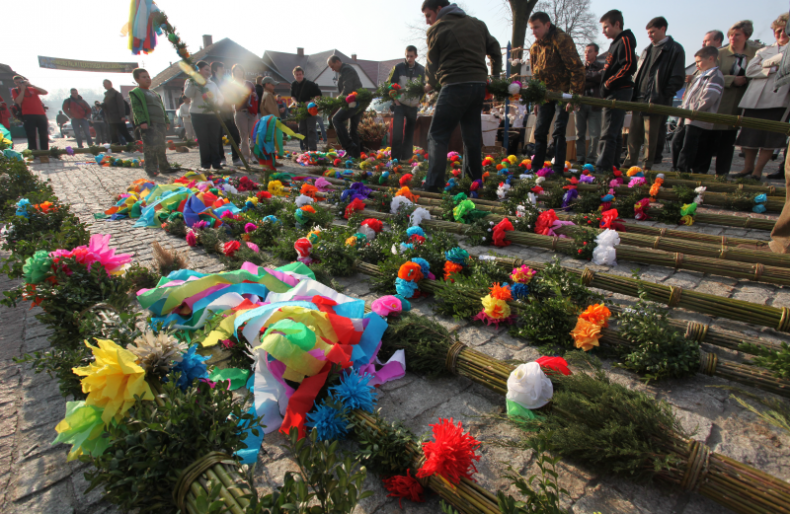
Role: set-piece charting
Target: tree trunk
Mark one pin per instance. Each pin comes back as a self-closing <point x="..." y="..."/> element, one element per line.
<point x="521" y="9"/>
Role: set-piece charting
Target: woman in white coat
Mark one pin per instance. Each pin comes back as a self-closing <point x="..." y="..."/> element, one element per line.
<point x="761" y="101"/>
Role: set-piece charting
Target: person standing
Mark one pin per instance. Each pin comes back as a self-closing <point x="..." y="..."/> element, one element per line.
<point x="80" y="112"/>
<point x="588" y="118"/>
<point x="616" y="85"/>
<point x="259" y="86"/>
<point x="457" y="48"/>
<point x="404" y="110"/>
<point x="246" y="110"/>
<point x="347" y="82"/>
<point x="186" y="119"/>
<point x="99" y="124"/>
<point x="555" y="62"/>
<point x="704" y="95"/>
<point x="226" y="111"/>
<point x="661" y="73"/>
<point x="269" y="106"/>
<point x="5" y="115"/>
<point x="304" y="91"/>
<point x="34" y="117"/>
<point x="115" y="112"/>
<point x="764" y="101"/>
<point x="151" y="118"/>
<point x="61" y="120"/>
<point x="204" y="119"/>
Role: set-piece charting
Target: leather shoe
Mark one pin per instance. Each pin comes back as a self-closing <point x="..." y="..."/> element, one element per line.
<point x="742" y="174"/>
<point x="779" y="175"/>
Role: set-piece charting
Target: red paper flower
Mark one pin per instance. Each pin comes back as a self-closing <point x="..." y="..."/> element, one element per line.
<point x="416" y="239"/>
<point x="404" y="486"/>
<point x="405" y="180"/>
<point x="500" y="231"/>
<point x="354" y="206"/>
<point x="617" y="173"/>
<point x="375" y="225"/>
<point x="610" y="220"/>
<point x="557" y="364"/>
<point x="261" y="195"/>
<point x="544" y="222"/>
<point x="537" y="190"/>
<point x="230" y="248"/>
<point x="451" y="454"/>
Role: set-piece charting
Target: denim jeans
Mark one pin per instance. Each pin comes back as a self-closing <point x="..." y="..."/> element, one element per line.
<point x="587" y="119"/>
<point x="404" y="120"/>
<point x="546" y="113"/>
<point x="457" y="103"/>
<point x="612" y="131"/>
<point x="102" y="132"/>
<point x="349" y="138"/>
<point x="82" y="131"/>
<point x="320" y="121"/>
<point x="120" y="134"/>
<point x="307" y="129"/>
<point x="208" y="132"/>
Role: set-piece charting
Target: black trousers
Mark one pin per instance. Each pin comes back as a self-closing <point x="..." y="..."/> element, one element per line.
<point x="233" y="131"/>
<point x="690" y="149"/>
<point x="209" y="136"/>
<point x="34" y="123"/>
<point x="720" y="143"/>
<point x="404" y="120"/>
<point x="119" y="130"/>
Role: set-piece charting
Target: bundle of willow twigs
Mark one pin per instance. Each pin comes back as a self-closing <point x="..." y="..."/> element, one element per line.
<point x="665" y="110"/>
<point x="98" y="149"/>
<point x="725" y="187"/>
<point x="736" y="269"/>
<point x="467" y="496"/>
<point x="731" y="484"/>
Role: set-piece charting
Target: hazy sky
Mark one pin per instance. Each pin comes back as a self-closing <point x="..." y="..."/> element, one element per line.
<point x="378" y="30"/>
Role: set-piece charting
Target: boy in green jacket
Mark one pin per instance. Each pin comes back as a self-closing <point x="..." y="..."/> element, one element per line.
<point x="150" y="116"/>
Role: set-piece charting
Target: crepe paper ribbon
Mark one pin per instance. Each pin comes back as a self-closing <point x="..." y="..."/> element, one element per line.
<point x="528" y="387"/>
<point x="605" y="253"/>
<point x="82" y="427"/>
<point x="113" y="380"/>
<point x="237" y="377"/>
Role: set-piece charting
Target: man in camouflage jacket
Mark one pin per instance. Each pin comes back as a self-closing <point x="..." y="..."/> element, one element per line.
<point x="556" y="62"/>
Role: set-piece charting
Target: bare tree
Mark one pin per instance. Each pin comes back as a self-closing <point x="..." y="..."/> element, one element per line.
<point x="574" y="17"/>
<point x="519" y="15"/>
<point x="416" y="33"/>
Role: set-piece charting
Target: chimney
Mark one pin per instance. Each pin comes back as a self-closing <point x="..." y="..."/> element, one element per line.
<point x="300" y="52"/>
<point x="207" y="40"/>
<point x="353" y="57"/>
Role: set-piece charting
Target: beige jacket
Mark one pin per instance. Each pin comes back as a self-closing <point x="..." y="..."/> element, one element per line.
<point x="762" y="72"/>
<point x="269" y="105"/>
<point x="732" y="93"/>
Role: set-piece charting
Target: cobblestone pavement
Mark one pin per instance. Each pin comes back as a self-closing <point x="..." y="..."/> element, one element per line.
<point x="34" y="477"/>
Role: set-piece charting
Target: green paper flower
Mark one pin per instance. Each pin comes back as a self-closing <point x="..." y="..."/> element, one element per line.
<point x="689" y="209"/>
<point x="37" y="267"/>
<point x="460" y="197"/>
<point x="462" y="209"/>
<point x="82" y="428"/>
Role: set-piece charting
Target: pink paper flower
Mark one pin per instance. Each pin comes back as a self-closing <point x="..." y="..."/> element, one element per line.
<point x="386" y="305"/>
<point x="200" y="224"/>
<point x="191" y="238"/>
<point x="253" y="247"/>
<point x="323" y="184"/>
<point x="250" y="227"/>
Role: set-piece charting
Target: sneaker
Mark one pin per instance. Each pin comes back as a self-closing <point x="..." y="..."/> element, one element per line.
<point x="237" y="163"/>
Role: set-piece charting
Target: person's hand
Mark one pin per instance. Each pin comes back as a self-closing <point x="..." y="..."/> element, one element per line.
<point x="143" y="126"/>
<point x="688" y="79"/>
<point x="396" y="102"/>
<point x="428" y="88"/>
<point x="570" y="107"/>
<point x="739" y="81"/>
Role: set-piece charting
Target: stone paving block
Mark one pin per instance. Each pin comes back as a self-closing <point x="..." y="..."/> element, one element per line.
<point x="56" y="500"/>
<point x="684" y="279"/>
<point x="39" y="473"/>
<point x="754" y="293"/>
<point x="475" y="335"/>
<point x="715" y="287"/>
<point x="420" y="396"/>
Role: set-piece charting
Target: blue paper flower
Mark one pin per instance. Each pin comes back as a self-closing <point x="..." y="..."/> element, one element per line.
<point x="21" y="207"/>
<point x="589" y="167"/>
<point x="271" y="219"/>
<point x="328" y="423"/>
<point x="503" y="171"/>
<point x="424" y="266"/>
<point x="519" y="291"/>
<point x="451" y="184"/>
<point x="405" y="288"/>
<point x="759" y="208"/>
<point x="405" y="305"/>
<point x="761" y="198"/>
<point x="354" y="392"/>
<point x="415" y="231"/>
<point x="406" y="246"/>
<point x="191" y="367"/>
<point x="607" y="198"/>
<point x="457" y="255"/>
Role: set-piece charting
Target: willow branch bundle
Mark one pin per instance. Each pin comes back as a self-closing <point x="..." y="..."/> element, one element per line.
<point x="469" y="497"/>
<point x="115" y="148"/>
<point x="730" y="483"/>
<point x="665" y="110"/>
<point x="725" y="187"/>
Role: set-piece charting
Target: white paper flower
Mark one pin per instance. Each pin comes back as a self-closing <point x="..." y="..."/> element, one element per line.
<point x="513" y="88"/>
<point x="605" y="253"/>
<point x="369" y="232"/>
<point x="486" y="257"/>
<point x="419" y="215"/>
<point x="700" y="194"/>
<point x="397" y="202"/>
<point x="502" y="190"/>
<point x="521" y="211"/>
<point x="528" y="386"/>
<point x="532" y="198"/>
<point x="303" y="200"/>
<point x="526" y="176"/>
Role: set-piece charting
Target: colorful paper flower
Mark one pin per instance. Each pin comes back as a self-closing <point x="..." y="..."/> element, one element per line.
<point x="37" y="267"/>
<point x="191" y="237"/>
<point x="387" y="305"/>
<point x="404" y="486"/>
<point x="230" y="248"/>
<point x="82" y="427"/>
<point x="112" y="380"/>
<point x="586" y="334"/>
<point x="451" y="454"/>
<point x="253" y="247"/>
<point x="328" y="423"/>
<point x="354" y="391"/>
<point x="598" y="314"/>
<point x="410" y="271"/>
<point x="523" y="274"/>
<point x="192" y="366"/>
<point x="528" y="386"/>
<point x="500" y="233"/>
<point x="457" y="255"/>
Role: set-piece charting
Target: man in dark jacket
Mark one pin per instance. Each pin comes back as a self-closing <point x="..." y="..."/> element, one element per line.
<point x="555" y="61"/>
<point x="347" y="82"/>
<point x="616" y="84"/>
<point x="588" y="118"/>
<point x="304" y="91"/>
<point x="457" y="49"/>
<point x="404" y="110"/>
<point x="80" y="113"/>
<point x="661" y="73"/>
<point x="115" y="112"/>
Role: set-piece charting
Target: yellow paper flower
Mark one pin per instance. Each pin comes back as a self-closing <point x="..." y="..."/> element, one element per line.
<point x="494" y="308"/>
<point x="253" y="199"/>
<point x="586" y="335"/>
<point x="633" y="170"/>
<point x="113" y="380"/>
<point x="512" y="159"/>
<point x="687" y="220"/>
<point x="276" y="188"/>
<point x="351" y="241"/>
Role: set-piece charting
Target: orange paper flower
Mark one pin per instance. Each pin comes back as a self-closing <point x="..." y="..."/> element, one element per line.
<point x="586" y="334"/>
<point x="406" y="193"/>
<point x="308" y="208"/>
<point x="410" y="271"/>
<point x="500" y="292"/>
<point x="597" y="314"/>
<point x="309" y="190"/>
<point x="449" y="268"/>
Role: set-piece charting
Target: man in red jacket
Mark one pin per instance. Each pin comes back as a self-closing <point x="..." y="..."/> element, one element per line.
<point x="80" y="112"/>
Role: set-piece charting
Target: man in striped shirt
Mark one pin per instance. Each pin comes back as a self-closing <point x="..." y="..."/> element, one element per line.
<point x="704" y="95"/>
